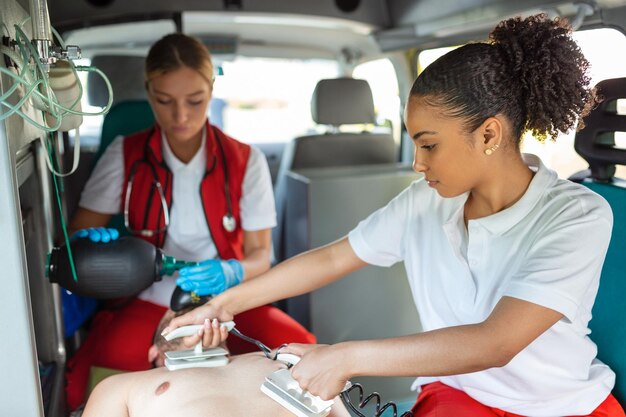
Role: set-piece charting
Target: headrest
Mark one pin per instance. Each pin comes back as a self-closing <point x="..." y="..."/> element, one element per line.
<point x="596" y="142"/>
<point x="124" y="118"/>
<point x="341" y="101"/>
<point x="126" y="74"/>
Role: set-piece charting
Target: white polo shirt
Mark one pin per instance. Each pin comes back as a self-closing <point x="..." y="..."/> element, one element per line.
<point x="548" y="249"/>
<point x="188" y="236"/>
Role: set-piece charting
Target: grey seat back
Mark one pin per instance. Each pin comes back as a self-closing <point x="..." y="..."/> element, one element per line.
<point x="335" y="102"/>
<point x="126" y="74"/>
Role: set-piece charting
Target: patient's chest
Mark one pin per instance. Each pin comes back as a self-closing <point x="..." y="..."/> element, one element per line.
<point x="233" y="390"/>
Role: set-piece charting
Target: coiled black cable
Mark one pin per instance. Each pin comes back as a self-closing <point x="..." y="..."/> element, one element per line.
<point x="378" y="411"/>
<point x="345" y="395"/>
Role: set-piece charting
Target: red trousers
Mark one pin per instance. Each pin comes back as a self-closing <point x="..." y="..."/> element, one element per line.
<point x="440" y="400"/>
<point x="120" y="339"/>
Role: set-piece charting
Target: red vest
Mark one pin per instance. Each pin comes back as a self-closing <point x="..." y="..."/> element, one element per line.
<point x="143" y="159"/>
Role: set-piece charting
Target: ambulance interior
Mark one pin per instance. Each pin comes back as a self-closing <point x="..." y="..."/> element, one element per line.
<point x="335" y="154"/>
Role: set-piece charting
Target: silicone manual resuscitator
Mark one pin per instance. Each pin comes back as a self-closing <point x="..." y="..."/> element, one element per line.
<point x="121" y="268"/>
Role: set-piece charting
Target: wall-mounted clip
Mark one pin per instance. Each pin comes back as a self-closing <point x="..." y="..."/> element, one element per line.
<point x="9" y="43"/>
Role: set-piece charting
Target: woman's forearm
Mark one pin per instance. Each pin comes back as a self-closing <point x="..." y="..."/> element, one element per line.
<point x="449" y="351"/>
<point x="298" y="275"/>
<point x="84" y="218"/>
<point x="257" y="248"/>
<point x="255" y="263"/>
<point x="457" y="349"/>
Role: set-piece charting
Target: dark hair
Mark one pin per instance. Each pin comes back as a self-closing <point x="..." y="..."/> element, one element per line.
<point x="158" y="340"/>
<point x="531" y="71"/>
<point x="177" y="50"/>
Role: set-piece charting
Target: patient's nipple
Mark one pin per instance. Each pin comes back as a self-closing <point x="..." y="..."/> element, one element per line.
<point x="162" y="388"/>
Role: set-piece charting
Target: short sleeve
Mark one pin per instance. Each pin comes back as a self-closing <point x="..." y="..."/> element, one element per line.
<point x="258" y="210"/>
<point x="379" y="239"/>
<point x="565" y="262"/>
<point x="103" y="190"/>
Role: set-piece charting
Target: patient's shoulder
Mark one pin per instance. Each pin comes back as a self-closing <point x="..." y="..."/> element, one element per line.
<point x="109" y="398"/>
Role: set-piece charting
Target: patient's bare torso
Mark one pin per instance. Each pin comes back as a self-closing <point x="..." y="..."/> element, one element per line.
<point x="233" y="390"/>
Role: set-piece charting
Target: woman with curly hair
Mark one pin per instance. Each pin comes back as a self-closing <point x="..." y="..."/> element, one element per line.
<point x="503" y="257"/>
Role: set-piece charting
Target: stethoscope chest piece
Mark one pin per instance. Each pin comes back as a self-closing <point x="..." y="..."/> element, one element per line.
<point x="229" y="222"/>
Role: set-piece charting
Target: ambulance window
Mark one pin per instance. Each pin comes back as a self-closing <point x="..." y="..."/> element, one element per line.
<point x="256" y="100"/>
<point x="268" y="99"/>
<point x="604" y="48"/>
<point x="381" y="76"/>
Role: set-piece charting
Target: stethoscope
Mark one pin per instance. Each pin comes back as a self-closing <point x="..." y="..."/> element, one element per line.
<point x="228" y="221"/>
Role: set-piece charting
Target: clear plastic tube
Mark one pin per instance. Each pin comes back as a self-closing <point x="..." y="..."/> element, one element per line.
<point x="46" y="101"/>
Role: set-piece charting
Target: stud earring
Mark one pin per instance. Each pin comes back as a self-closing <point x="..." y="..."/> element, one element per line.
<point x="491" y="150"/>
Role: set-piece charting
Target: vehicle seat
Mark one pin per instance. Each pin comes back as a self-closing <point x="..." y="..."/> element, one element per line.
<point x="130" y="111"/>
<point x="124" y="118"/>
<point x="596" y="144"/>
<point x="335" y="102"/>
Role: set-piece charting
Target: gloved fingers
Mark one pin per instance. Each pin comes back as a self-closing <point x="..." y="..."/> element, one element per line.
<point x="181" y="281"/>
<point x="79" y="234"/>
<point x="95" y="235"/>
<point x="114" y="233"/>
<point x="206" y="278"/>
<point x="107" y="234"/>
<point x="100" y="234"/>
<point x="233" y="272"/>
<point x="202" y="288"/>
<point x="209" y="280"/>
<point x="186" y="284"/>
<point x="210" y="266"/>
<point x="189" y="286"/>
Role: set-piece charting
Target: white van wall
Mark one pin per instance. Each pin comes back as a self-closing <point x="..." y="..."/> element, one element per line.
<point x="29" y="305"/>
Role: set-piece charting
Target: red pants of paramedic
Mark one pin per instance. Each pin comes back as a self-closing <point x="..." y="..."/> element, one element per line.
<point x="120" y="339"/>
<point x="440" y="400"/>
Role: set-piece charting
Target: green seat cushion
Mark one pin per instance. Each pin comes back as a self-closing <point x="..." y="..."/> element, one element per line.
<point x="124" y="118"/>
<point x="97" y="374"/>
<point x="608" y="323"/>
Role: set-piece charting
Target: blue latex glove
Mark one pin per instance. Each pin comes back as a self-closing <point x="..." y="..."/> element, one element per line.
<point x="97" y="234"/>
<point x="212" y="276"/>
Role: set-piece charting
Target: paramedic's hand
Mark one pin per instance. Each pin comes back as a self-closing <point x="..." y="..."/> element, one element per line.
<point x="323" y="370"/>
<point x="212" y="276"/>
<point x="210" y="316"/>
<point x="97" y="234"/>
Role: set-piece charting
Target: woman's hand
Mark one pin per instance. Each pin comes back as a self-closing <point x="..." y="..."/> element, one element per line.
<point x="212" y="276"/>
<point x="323" y="370"/>
<point x="212" y="333"/>
<point x="97" y="234"/>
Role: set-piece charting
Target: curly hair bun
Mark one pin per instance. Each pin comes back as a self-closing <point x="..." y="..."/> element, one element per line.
<point x="551" y="71"/>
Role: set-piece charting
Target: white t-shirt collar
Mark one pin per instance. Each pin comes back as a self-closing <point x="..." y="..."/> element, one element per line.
<point x="499" y="223"/>
<point x="197" y="165"/>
